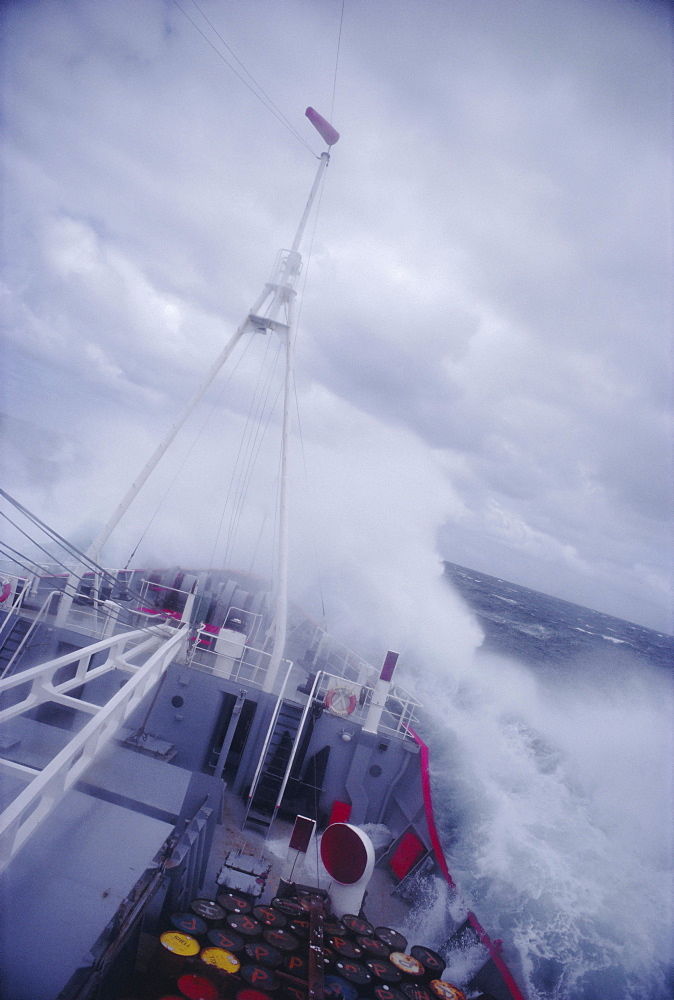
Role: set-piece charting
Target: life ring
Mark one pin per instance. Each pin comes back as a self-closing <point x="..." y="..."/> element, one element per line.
<point x="5" y="590"/>
<point x="340" y="701"/>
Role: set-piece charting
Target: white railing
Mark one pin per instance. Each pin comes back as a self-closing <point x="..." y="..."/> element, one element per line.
<point x="12" y="619"/>
<point x="249" y="667"/>
<point x="47" y="787"/>
<point x="150" y="597"/>
<point x="350" y="700"/>
<point x="267" y="740"/>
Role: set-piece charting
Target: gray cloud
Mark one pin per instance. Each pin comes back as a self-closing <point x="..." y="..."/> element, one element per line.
<point x="489" y="278"/>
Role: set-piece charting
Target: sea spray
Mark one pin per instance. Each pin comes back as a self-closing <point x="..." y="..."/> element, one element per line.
<point x="533" y="782"/>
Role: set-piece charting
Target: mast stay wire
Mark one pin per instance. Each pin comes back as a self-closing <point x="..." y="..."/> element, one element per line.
<point x="256" y="435"/>
<point x="16" y="558"/>
<point x="339" y="42"/>
<point x="253" y="86"/>
<point x="71" y="549"/>
<point x="189" y="451"/>
<point x="242" y="460"/>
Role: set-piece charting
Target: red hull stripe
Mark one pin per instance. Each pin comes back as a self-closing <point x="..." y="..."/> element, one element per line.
<point x="440" y="856"/>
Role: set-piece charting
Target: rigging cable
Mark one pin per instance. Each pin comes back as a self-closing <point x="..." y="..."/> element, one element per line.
<point x="253" y="436"/>
<point x="339" y="42"/>
<point x="240" y="463"/>
<point x="72" y="550"/>
<point x="15" y="558"/>
<point x="37" y="544"/>
<point x="188" y="453"/>
<point x="261" y="95"/>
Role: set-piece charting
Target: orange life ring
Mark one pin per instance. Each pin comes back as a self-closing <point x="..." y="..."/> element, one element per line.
<point x="5" y="590"/>
<point x="341" y="701"/>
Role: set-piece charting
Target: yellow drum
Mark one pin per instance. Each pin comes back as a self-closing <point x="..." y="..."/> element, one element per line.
<point x="220" y="959"/>
<point x="173" y="949"/>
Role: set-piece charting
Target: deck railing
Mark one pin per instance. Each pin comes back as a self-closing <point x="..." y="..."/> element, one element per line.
<point x="241" y="663"/>
<point x="155" y="648"/>
<point x="352" y="701"/>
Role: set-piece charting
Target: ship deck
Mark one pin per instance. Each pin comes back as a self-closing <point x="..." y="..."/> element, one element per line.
<point x="381" y="907"/>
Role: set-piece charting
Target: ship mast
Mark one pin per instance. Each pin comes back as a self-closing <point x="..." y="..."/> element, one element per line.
<point x="272" y="311"/>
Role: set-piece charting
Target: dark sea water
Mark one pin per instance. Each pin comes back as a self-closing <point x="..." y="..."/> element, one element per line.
<point x="551" y="764"/>
<point x="543" y="631"/>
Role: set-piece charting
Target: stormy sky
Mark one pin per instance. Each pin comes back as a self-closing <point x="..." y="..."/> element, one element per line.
<point x="484" y="346"/>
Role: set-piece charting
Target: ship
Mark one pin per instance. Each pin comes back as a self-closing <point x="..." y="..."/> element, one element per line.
<point x="204" y="794"/>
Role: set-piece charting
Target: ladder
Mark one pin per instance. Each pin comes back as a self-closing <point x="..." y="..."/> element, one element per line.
<point x="285" y="730"/>
<point x="11" y="644"/>
<point x="277" y="758"/>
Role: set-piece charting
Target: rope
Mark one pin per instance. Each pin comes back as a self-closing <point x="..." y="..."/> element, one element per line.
<point x="339" y="42"/>
<point x="261" y="95"/>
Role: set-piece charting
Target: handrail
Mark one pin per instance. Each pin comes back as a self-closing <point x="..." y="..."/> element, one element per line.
<point x="25" y="813"/>
<point x="17" y="599"/>
<point x="41" y="677"/>
<point x="296" y="742"/>
<point x="42" y="613"/>
<point x="267" y="741"/>
<point x="408" y="703"/>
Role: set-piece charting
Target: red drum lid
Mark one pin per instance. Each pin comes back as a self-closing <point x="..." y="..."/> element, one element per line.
<point x="197" y="987"/>
<point x="248" y="994"/>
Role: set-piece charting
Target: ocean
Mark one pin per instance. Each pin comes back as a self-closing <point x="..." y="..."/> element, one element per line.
<point x="552" y="757"/>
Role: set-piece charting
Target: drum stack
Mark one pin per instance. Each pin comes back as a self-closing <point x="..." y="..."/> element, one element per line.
<point x="230" y="948"/>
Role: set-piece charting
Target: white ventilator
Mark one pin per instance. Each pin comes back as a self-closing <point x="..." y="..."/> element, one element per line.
<point x="348" y="855"/>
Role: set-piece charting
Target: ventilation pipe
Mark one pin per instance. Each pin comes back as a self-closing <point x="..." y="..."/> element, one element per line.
<point x="348" y="856"/>
<point x="380" y="693"/>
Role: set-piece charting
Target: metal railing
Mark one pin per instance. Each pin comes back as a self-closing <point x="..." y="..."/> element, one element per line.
<point x="48" y="786"/>
<point x="351" y="700"/>
<point x="249" y="666"/>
